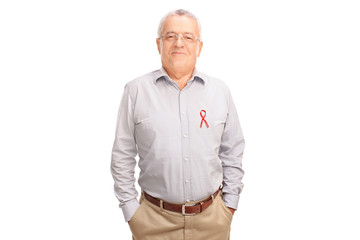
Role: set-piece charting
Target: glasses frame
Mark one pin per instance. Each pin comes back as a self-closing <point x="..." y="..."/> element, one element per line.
<point x="182" y="36"/>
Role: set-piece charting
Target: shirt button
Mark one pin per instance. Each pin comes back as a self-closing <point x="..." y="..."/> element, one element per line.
<point x="183" y="113"/>
<point x="186" y="158"/>
<point x="187" y="200"/>
<point x="185" y="135"/>
<point x="187" y="180"/>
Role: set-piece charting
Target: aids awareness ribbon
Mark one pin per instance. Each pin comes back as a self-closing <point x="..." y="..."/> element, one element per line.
<point x="203" y="119"/>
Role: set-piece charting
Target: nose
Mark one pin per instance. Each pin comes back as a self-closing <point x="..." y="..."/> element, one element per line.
<point x="179" y="42"/>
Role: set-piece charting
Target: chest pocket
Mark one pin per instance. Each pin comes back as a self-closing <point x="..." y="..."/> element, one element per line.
<point x="156" y="125"/>
<point x="209" y="125"/>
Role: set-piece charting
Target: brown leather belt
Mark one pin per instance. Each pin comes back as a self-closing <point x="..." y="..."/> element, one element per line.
<point x="185" y="209"/>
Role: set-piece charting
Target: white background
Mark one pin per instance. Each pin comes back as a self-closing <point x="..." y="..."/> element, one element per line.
<point x="293" y="69"/>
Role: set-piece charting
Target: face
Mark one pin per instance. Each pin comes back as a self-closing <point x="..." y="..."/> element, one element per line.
<point x="179" y="55"/>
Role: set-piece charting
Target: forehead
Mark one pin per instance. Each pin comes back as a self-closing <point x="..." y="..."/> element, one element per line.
<point x="180" y="24"/>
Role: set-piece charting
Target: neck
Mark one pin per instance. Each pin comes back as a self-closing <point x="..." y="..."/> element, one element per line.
<point x="179" y="74"/>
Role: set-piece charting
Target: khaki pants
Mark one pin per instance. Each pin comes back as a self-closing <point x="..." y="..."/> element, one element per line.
<point x="151" y="222"/>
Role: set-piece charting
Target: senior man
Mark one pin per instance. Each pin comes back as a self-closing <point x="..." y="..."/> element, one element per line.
<point x="184" y="127"/>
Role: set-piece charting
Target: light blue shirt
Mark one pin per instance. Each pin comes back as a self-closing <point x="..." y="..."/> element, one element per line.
<point x="189" y="141"/>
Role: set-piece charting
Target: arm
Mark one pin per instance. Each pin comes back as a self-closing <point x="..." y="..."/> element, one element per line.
<point x="123" y="158"/>
<point x="231" y="153"/>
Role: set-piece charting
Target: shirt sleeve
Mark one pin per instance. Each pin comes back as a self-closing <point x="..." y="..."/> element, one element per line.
<point x="231" y="154"/>
<point x="123" y="160"/>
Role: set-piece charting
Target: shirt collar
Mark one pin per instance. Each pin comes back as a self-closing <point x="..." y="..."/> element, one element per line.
<point x="161" y="73"/>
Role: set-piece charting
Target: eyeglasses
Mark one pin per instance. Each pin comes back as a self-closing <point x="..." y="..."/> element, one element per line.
<point x="187" y="37"/>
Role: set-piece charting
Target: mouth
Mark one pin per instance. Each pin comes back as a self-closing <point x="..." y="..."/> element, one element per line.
<point x="178" y="53"/>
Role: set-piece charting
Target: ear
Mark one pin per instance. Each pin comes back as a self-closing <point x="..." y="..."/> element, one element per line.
<point x="158" y="45"/>
<point x="199" y="48"/>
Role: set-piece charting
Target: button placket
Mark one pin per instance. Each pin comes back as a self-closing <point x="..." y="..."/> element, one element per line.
<point x="185" y="145"/>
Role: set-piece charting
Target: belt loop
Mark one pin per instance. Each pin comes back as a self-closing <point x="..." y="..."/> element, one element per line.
<point x="142" y="196"/>
<point x="201" y="206"/>
<point x="161" y="204"/>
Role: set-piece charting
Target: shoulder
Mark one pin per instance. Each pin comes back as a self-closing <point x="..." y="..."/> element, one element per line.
<point x="215" y="83"/>
<point x="147" y="78"/>
<point x="144" y="81"/>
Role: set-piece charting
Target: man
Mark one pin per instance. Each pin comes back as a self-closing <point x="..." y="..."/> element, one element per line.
<point x="184" y="127"/>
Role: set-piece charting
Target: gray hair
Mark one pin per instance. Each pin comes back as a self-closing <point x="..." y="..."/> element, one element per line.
<point x="178" y="12"/>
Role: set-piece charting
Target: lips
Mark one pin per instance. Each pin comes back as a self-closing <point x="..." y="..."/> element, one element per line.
<point x="178" y="53"/>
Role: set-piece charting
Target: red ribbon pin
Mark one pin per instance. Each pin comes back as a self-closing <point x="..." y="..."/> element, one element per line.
<point x="203" y="119"/>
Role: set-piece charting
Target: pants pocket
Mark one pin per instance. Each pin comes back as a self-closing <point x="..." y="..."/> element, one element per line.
<point x="138" y="209"/>
<point x="226" y="209"/>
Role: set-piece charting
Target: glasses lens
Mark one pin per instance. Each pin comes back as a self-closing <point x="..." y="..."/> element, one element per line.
<point x="188" y="37"/>
<point x="170" y="37"/>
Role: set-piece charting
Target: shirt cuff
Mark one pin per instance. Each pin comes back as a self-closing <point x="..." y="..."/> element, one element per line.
<point x="129" y="208"/>
<point x="231" y="200"/>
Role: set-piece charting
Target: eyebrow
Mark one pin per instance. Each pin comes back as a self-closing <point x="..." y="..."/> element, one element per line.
<point x="182" y="33"/>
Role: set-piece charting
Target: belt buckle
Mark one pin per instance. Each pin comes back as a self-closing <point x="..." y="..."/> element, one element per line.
<point x="183" y="209"/>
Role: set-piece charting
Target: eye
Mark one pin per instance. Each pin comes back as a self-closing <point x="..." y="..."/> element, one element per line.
<point x="170" y="36"/>
<point x="189" y="37"/>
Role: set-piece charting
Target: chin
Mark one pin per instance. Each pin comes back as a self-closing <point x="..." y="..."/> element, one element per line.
<point x="180" y="65"/>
